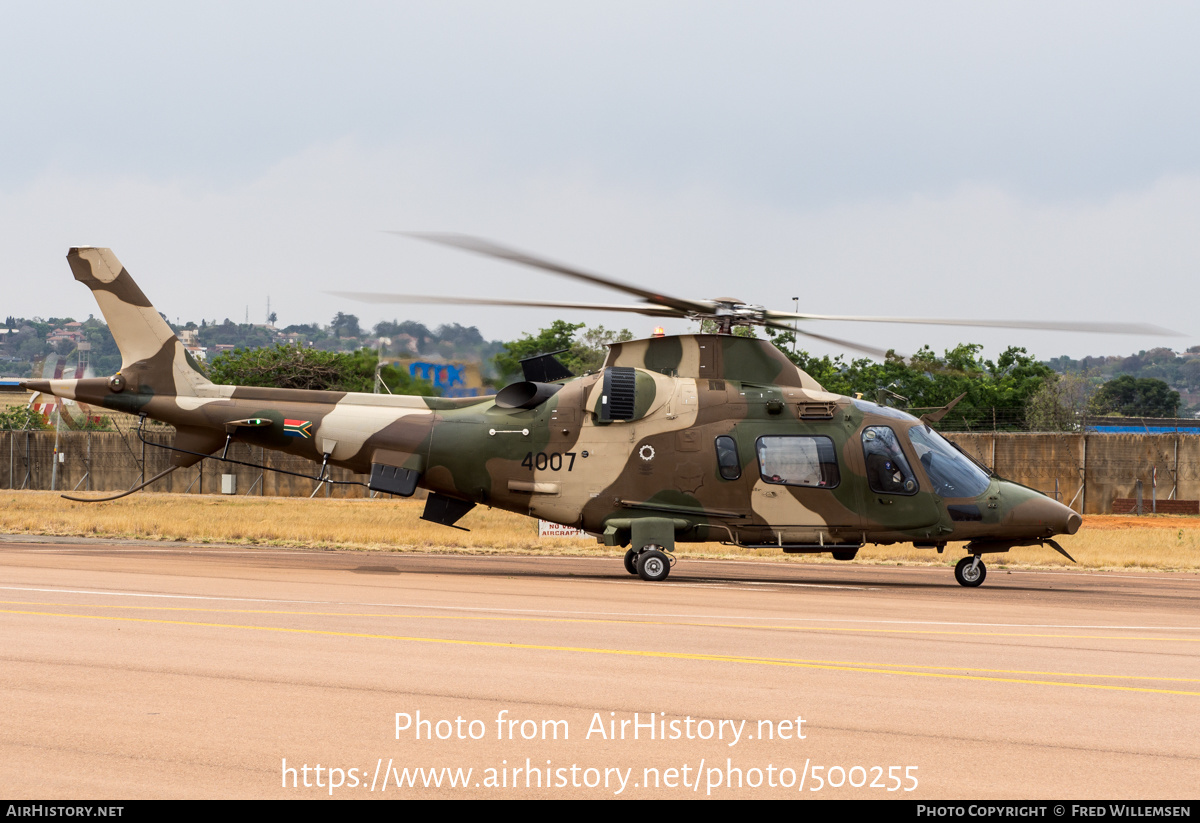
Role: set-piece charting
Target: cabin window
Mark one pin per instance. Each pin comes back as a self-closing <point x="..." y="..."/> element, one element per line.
<point x="798" y="460"/>
<point x="888" y="471"/>
<point x="728" y="461"/>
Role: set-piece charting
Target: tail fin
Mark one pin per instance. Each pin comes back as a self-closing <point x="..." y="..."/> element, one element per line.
<point x="151" y="355"/>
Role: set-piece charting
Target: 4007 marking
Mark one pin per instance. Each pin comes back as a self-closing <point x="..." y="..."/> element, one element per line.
<point x="549" y="460"/>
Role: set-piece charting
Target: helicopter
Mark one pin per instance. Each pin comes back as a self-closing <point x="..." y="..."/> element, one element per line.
<point x="709" y="437"/>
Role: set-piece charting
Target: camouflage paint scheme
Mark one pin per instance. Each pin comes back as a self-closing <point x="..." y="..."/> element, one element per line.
<point x="652" y="479"/>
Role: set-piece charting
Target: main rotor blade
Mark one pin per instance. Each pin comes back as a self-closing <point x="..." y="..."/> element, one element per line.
<point x="909" y="360"/>
<point x="846" y="344"/>
<point x="489" y="249"/>
<point x="1048" y="325"/>
<point x="380" y="297"/>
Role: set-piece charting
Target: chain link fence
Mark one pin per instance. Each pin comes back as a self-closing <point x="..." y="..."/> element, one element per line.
<point x="1016" y="419"/>
<point x="114" y="461"/>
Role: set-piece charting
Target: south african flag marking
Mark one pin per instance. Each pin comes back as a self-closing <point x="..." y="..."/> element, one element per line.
<point x="297" y="428"/>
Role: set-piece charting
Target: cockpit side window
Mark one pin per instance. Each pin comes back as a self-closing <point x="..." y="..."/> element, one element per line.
<point x="888" y="471"/>
<point x="728" y="461"/>
<point x="797" y="460"/>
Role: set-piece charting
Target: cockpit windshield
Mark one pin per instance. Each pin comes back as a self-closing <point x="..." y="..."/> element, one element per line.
<point x="951" y="472"/>
<point x="883" y="411"/>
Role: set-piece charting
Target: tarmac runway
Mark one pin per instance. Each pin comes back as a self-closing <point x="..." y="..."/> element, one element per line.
<point x="164" y="670"/>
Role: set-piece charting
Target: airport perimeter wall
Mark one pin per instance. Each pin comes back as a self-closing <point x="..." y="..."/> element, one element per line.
<point x="1086" y="471"/>
<point x="116" y="461"/>
<point x="1090" y="471"/>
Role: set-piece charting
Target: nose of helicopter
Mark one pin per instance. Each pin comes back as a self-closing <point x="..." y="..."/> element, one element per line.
<point x="1037" y="515"/>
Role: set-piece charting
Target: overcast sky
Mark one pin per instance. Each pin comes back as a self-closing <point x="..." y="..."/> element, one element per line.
<point x="1010" y="160"/>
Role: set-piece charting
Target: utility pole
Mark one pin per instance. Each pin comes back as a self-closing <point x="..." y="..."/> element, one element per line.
<point x="383" y="342"/>
<point x="57" y="434"/>
<point x="795" y="324"/>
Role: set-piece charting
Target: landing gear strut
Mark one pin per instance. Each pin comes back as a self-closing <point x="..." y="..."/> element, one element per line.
<point x="970" y="571"/>
<point x="651" y="541"/>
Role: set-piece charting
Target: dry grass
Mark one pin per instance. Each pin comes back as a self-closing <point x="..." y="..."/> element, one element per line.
<point x="1105" y="542"/>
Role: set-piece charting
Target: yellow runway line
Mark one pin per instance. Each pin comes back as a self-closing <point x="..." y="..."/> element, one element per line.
<point x="763" y="661"/>
<point x="585" y="620"/>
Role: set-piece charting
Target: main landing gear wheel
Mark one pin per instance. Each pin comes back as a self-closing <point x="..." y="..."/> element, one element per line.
<point x="653" y="565"/>
<point x="631" y="561"/>
<point x="969" y="573"/>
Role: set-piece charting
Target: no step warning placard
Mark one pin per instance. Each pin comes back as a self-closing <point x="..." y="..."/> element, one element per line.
<point x="548" y="529"/>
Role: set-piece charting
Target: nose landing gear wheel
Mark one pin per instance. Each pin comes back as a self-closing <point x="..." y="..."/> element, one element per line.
<point x="969" y="573"/>
<point x="653" y="565"/>
<point x="631" y="561"/>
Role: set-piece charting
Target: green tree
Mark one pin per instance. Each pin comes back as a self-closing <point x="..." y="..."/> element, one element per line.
<point x="996" y="391"/>
<point x="1180" y="372"/>
<point x="560" y="335"/>
<point x="105" y="357"/>
<point x="21" y="418"/>
<point x="418" y="331"/>
<point x="1136" y="397"/>
<point x="311" y="331"/>
<point x="241" y="335"/>
<point x="1060" y="404"/>
<point x="590" y="349"/>
<point x="360" y="366"/>
<point x="461" y="337"/>
<point x="709" y="326"/>
<point x="580" y="356"/>
<point x="298" y="367"/>
<point x="345" y="325"/>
